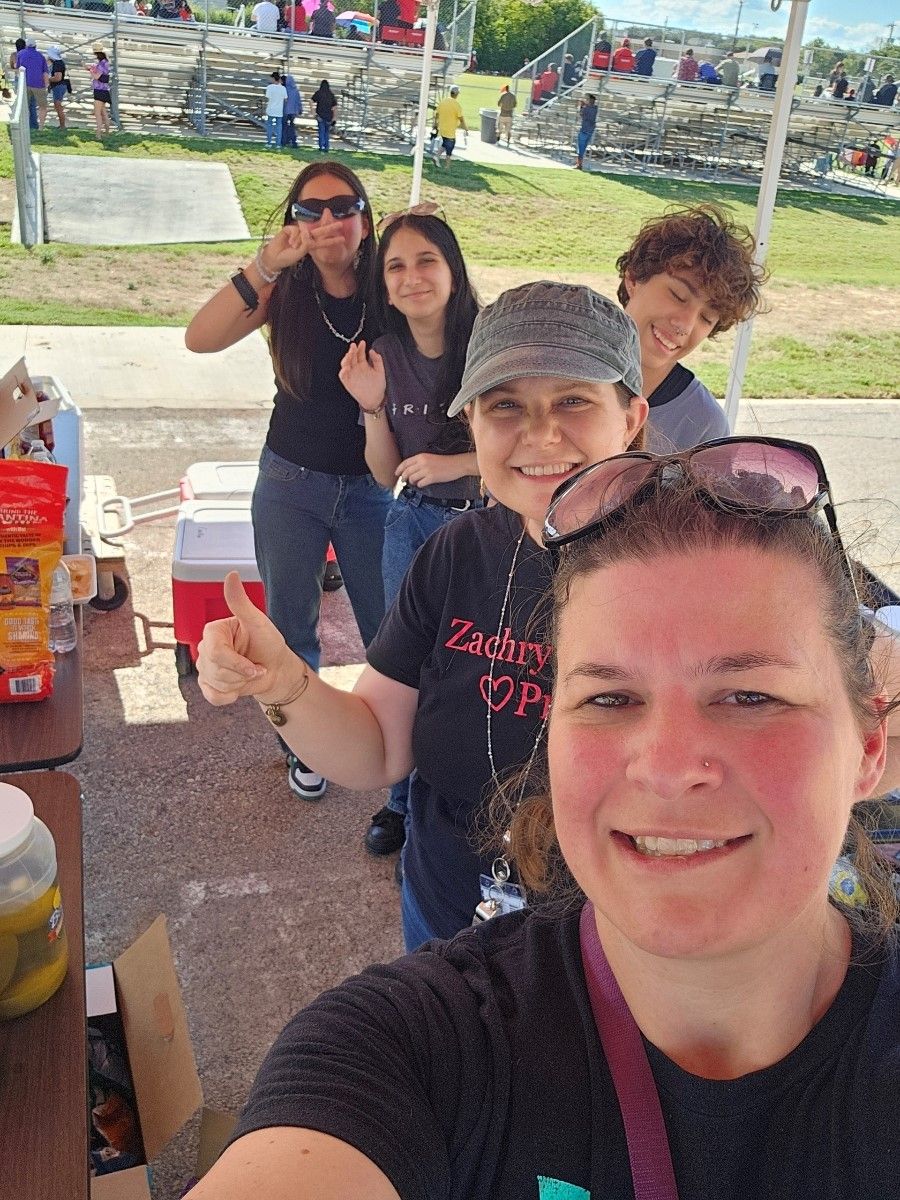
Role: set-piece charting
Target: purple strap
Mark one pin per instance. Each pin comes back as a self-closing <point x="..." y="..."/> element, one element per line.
<point x="645" y="1131"/>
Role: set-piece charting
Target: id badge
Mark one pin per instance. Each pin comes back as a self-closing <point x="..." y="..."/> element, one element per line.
<point x="498" y="898"/>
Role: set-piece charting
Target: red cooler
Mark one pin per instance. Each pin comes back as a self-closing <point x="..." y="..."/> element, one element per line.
<point x="212" y="537"/>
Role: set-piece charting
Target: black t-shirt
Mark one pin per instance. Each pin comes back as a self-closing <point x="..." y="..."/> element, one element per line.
<point x="472" y="1070"/>
<point x="322" y="431"/>
<point x="440" y="636"/>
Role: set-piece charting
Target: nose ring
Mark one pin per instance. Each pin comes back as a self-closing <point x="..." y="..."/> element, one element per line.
<point x="706" y="764"/>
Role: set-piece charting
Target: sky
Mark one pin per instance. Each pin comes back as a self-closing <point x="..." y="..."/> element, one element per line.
<point x="847" y="23"/>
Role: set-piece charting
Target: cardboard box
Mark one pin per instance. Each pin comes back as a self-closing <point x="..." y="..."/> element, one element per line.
<point x="166" y="1083"/>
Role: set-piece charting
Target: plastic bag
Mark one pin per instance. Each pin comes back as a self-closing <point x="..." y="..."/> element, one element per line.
<point x="32" y="509"/>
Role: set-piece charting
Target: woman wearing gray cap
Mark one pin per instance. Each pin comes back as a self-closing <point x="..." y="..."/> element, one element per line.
<point x="457" y="681"/>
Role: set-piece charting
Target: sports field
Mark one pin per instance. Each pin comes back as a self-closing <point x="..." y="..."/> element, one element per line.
<point x="832" y="329"/>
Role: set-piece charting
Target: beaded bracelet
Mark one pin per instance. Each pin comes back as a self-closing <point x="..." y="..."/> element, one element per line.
<point x="266" y="276"/>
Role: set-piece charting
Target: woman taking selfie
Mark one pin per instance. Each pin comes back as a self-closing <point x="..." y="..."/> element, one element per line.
<point x="404" y="386"/>
<point x="310" y="285"/>
<point x="695" y="1018"/>
<point x="457" y="680"/>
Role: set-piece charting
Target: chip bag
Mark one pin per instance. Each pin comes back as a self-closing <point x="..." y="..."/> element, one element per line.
<point x="32" y="508"/>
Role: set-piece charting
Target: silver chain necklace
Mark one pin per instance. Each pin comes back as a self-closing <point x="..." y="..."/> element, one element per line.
<point x="337" y="333"/>
<point x="503" y="611"/>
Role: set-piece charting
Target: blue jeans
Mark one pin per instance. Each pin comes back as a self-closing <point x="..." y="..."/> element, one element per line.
<point x="584" y="140"/>
<point x="410" y="522"/>
<point x="273" y="130"/>
<point x="32" y="112"/>
<point x="415" y="928"/>
<point x="324" y="128"/>
<point x="296" y="512"/>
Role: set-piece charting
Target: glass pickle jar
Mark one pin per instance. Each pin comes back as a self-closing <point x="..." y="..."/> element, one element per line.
<point x="33" y="951"/>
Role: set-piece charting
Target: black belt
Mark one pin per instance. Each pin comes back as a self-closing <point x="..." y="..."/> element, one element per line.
<point x="414" y="495"/>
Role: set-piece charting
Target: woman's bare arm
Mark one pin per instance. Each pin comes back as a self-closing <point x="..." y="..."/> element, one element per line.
<point x="293" y="1164"/>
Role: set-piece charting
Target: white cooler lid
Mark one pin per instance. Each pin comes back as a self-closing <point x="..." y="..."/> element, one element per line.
<point x="213" y="537"/>
<point x="222" y="480"/>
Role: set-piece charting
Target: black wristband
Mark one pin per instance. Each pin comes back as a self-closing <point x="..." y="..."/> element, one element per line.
<point x="246" y="291"/>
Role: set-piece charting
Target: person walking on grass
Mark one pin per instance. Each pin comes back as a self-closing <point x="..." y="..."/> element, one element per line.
<point x="276" y="96"/>
<point x="588" y="113"/>
<point x="99" y="71"/>
<point x="326" y="102"/>
<point x="448" y="117"/>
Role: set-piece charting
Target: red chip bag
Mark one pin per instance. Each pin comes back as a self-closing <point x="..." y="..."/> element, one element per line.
<point x="32" y="508"/>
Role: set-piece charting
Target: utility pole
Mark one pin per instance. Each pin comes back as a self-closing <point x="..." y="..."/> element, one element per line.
<point x="737" y="25"/>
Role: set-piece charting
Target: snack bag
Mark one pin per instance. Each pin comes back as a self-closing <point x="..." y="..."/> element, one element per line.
<point x="32" y="507"/>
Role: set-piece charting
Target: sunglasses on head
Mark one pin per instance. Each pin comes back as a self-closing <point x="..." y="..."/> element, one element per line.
<point x="340" y="207"/>
<point x="759" y="476"/>
<point x="427" y="208"/>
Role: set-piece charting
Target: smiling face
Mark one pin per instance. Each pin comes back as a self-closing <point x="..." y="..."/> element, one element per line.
<point x="530" y="434"/>
<point x="334" y="243"/>
<point x="673" y="315"/>
<point x="704" y="755"/>
<point x="417" y="279"/>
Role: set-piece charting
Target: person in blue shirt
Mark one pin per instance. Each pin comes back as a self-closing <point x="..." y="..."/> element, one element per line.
<point x="644" y="59"/>
<point x="293" y="108"/>
<point x="588" y="125"/>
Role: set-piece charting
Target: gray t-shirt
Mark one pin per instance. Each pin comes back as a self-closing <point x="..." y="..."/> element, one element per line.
<point x="683" y="413"/>
<point x="411" y="380"/>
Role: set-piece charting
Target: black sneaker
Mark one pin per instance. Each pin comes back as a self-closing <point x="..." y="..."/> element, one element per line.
<point x="304" y="782"/>
<point x="386" y="834"/>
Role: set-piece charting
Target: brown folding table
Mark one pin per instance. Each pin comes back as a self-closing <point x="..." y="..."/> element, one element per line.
<point x="43" y="1055"/>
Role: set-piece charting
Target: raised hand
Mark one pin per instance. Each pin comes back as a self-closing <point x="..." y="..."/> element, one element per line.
<point x="244" y="654"/>
<point x="362" y="374"/>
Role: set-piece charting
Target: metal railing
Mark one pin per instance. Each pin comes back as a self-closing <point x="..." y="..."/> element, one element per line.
<point x="29" y="202"/>
<point x="569" y="60"/>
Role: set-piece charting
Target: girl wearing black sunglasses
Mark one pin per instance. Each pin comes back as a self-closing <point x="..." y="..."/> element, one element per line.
<point x="311" y="285"/>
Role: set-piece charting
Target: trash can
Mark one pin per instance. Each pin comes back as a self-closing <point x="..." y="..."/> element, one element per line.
<point x="489" y="124"/>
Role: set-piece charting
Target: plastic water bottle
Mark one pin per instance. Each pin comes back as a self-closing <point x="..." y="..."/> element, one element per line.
<point x="63" y="633"/>
<point x="39" y="452"/>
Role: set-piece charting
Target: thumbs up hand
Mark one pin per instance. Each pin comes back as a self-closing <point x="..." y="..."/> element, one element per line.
<point x="244" y="654"/>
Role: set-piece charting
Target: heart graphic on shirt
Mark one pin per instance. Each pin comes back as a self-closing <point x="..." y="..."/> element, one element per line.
<point x="502" y="687"/>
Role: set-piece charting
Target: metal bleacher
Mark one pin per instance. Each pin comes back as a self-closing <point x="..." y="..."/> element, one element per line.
<point x="171" y="76"/>
<point x="705" y="129"/>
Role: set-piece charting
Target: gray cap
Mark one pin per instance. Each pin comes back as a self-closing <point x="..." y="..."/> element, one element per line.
<point x="544" y="328"/>
<point x="31" y="43"/>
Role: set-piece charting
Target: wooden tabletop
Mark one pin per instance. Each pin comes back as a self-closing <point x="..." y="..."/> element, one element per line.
<point x="47" y="733"/>
<point x="43" y="1055"/>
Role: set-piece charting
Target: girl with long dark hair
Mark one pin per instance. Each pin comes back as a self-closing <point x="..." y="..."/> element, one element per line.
<point x="404" y="385"/>
<point x="310" y="285"/>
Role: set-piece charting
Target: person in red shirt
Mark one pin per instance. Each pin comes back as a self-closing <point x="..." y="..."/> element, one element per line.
<point x="549" y="82"/>
<point x="623" y="59"/>
<point x="409" y="10"/>
<point x="295" y="18"/>
<point x="537" y="96"/>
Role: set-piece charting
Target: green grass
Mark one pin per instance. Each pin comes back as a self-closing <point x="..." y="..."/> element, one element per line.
<point x="479" y="91"/>
<point x="535" y="219"/>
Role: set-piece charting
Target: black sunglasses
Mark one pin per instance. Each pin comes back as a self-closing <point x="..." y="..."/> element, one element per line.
<point x="759" y="476"/>
<point x="340" y="207"/>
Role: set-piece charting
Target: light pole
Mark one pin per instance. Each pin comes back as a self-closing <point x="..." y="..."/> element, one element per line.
<point x="737" y="25"/>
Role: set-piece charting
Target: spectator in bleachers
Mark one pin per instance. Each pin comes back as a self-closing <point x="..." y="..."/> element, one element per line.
<point x="295" y="18"/>
<point x="185" y="12"/>
<point x="768" y="73"/>
<point x="707" y="73"/>
<point x="293" y="108"/>
<point x="321" y="25"/>
<point x="836" y="72"/>
<point x="686" y="70"/>
<point x="644" y="59"/>
<point x="36" y="81"/>
<point x="728" y="72"/>
<point x="623" y="59"/>
<point x="265" y="17"/>
<point x="588" y="114"/>
<point x="549" y="82"/>
<point x="687" y="276"/>
<point x="887" y="93"/>
<point x="388" y="14"/>
<point x="851" y="95"/>
<point x="59" y="87"/>
<point x="817" y="92"/>
<point x="507" y="105"/>
<point x="867" y="96"/>
<point x="572" y="73"/>
<point x="326" y="103"/>
<point x="276" y="95"/>
<point x="602" y="52"/>
<point x="537" y="98"/>
<point x="409" y="10"/>
<point x="840" y="86"/>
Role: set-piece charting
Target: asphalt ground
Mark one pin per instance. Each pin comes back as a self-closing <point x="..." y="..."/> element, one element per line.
<point x="270" y="899"/>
